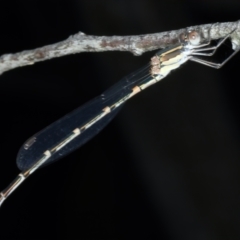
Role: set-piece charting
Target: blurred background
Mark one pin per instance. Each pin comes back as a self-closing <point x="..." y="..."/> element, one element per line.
<point x="167" y="167"/>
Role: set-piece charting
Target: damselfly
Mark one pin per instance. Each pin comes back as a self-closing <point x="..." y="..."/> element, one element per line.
<point x="79" y="126"/>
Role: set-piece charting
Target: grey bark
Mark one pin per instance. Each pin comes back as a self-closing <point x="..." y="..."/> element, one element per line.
<point x="138" y="44"/>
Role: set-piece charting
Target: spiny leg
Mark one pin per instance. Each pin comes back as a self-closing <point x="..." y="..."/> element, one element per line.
<point x="212" y="64"/>
<point x="214" y="48"/>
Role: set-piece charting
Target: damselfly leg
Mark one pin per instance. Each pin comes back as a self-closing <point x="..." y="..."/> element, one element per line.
<point x="214" y="48"/>
<point x="212" y="64"/>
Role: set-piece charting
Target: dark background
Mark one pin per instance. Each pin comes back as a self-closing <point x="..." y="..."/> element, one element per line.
<point x="167" y="167"/>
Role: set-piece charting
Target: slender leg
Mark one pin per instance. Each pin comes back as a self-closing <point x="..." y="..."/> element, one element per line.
<point x="212" y="64"/>
<point x="214" y="48"/>
<point x="201" y="45"/>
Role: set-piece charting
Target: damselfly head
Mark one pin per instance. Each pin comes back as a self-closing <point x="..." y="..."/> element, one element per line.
<point x="191" y="37"/>
<point x="194" y="37"/>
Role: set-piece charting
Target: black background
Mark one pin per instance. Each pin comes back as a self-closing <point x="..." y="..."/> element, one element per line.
<point x="167" y="167"/>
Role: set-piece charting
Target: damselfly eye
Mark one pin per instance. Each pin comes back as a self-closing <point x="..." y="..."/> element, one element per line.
<point x="194" y="38"/>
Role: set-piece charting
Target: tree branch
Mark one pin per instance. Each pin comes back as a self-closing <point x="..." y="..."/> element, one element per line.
<point x="136" y="44"/>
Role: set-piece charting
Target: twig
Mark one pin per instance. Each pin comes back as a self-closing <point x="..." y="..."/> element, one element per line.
<point x="135" y="44"/>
